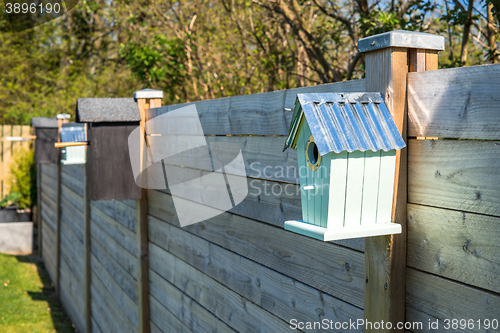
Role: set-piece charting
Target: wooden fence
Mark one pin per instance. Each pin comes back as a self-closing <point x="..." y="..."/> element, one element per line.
<point x="8" y="149"/>
<point x="242" y="272"/>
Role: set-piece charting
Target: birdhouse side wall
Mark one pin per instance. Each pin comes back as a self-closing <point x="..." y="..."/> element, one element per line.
<point x="315" y="201"/>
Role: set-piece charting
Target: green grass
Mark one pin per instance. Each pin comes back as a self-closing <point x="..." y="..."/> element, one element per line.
<point x="28" y="302"/>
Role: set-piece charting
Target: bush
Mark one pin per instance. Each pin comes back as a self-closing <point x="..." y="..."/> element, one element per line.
<point x="23" y="178"/>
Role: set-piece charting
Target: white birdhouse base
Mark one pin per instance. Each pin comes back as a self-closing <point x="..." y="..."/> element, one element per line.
<point x="326" y="234"/>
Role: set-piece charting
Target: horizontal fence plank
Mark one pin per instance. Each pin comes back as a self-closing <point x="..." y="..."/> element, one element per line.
<point x="126" y="304"/>
<point x="256" y="114"/>
<point x="456" y="245"/>
<point x="459" y="175"/>
<point x="455" y="103"/>
<point x="119" y="211"/>
<point x="233" y="309"/>
<point x="280" y="295"/>
<point x="429" y="297"/>
<point x="193" y="315"/>
<point x="117" y="320"/>
<point x="330" y="268"/>
<point x="73" y="218"/>
<point x="114" y="250"/>
<point x="49" y="185"/>
<point x="72" y="197"/>
<point x="72" y="183"/>
<point x="72" y="291"/>
<point x="161" y="317"/>
<point x="122" y="235"/>
<point x="126" y="281"/>
<point x="49" y="170"/>
<point x="76" y="171"/>
<point x="72" y="252"/>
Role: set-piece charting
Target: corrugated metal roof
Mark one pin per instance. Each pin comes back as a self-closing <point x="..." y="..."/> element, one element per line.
<point x="350" y="121"/>
<point x="73" y="132"/>
<point x="98" y="110"/>
<point x="44" y="122"/>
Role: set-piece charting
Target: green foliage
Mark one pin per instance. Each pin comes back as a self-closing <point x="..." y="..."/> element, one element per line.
<point x="23" y="179"/>
<point x="11" y="199"/>
<point x="160" y="62"/>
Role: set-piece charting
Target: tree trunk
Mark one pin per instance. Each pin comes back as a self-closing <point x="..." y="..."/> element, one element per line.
<point x="465" y="37"/>
<point x="491" y="36"/>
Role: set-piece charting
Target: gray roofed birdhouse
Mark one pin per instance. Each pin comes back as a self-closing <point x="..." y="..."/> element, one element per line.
<point x="45" y="130"/>
<point x="109" y="123"/>
<point x="346" y="149"/>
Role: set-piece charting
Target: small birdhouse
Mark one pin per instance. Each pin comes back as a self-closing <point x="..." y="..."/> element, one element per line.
<point x="45" y="133"/>
<point x="73" y="133"/>
<point x="109" y="123"/>
<point x="346" y="150"/>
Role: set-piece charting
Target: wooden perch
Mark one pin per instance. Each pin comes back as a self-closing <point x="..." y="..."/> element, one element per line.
<point x="69" y="144"/>
<point x="20" y="138"/>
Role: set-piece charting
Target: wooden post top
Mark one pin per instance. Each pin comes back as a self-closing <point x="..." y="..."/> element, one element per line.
<point x="401" y="38"/>
<point x="148" y="94"/>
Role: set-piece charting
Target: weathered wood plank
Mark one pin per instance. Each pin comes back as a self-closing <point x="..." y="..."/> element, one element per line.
<point x="318" y="264"/>
<point x="115" y="230"/>
<point x="455" y="103"/>
<point x="49" y="221"/>
<point x="72" y="218"/>
<point x="194" y="316"/>
<point x="75" y="199"/>
<point x="433" y="298"/>
<point x="73" y="252"/>
<point x="48" y="184"/>
<point x="257" y="114"/>
<point x="126" y="281"/>
<point x="161" y="317"/>
<point x="48" y="202"/>
<point x="95" y="326"/>
<point x="69" y="305"/>
<point x="76" y="171"/>
<point x="116" y="319"/>
<point x="72" y="183"/>
<point x="114" y="250"/>
<point x="119" y="211"/>
<point x="125" y="303"/>
<point x="49" y="170"/>
<point x="278" y="294"/>
<point x="455" y="245"/>
<point x="71" y="289"/>
<point x="235" y="310"/>
<point x="459" y="175"/>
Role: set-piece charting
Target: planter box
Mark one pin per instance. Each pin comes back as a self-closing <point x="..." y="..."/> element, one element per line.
<point x="8" y="214"/>
<point x="16" y="238"/>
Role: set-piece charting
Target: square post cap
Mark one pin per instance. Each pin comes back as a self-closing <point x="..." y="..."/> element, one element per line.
<point x="401" y="38"/>
<point x="63" y="116"/>
<point x="148" y="94"/>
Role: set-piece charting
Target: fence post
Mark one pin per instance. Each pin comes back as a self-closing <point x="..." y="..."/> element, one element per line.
<point x="147" y="98"/>
<point x="389" y="57"/>
<point x="87" y="186"/>
<point x="61" y="119"/>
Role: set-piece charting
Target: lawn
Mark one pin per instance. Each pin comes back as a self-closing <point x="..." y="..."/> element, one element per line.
<point x="28" y="301"/>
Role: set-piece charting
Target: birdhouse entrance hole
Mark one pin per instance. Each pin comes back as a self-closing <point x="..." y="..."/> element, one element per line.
<point x="313" y="157"/>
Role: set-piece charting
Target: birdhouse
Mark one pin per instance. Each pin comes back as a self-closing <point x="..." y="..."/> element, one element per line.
<point x="74" y="136"/>
<point x="45" y="134"/>
<point x="346" y="150"/>
<point x="109" y="123"/>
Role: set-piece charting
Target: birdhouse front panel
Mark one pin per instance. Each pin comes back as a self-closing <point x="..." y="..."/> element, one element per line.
<point x="45" y="130"/>
<point x="73" y="132"/>
<point x="346" y="146"/>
